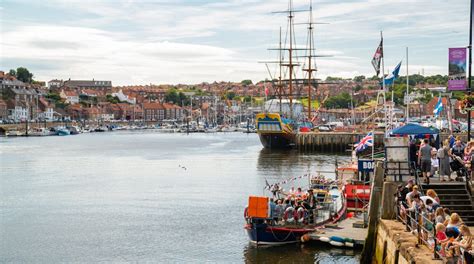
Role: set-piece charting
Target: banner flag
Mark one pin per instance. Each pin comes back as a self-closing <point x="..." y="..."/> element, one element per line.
<point x="457" y="69"/>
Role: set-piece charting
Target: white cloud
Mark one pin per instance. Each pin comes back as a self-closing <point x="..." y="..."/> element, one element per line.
<point x="182" y="41"/>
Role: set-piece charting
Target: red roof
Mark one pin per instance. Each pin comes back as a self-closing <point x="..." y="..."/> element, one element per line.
<point x="154" y="106"/>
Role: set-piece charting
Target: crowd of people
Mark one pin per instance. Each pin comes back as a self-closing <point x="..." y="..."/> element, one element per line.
<point x="453" y="154"/>
<point x="293" y="207"/>
<point x="454" y="239"/>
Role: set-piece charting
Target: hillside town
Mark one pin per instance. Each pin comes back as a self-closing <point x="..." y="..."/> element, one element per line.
<point x="335" y="99"/>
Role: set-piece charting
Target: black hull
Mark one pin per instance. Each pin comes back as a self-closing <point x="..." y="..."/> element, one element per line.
<point x="277" y="141"/>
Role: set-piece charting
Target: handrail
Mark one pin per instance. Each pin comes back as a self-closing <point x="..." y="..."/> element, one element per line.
<point x="417" y="223"/>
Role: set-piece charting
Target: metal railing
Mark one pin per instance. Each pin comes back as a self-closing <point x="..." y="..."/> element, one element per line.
<point x="418" y="223"/>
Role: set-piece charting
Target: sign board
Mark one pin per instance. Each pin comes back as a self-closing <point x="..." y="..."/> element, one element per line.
<point x="457" y="69"/>
<point x="365" y="165"/>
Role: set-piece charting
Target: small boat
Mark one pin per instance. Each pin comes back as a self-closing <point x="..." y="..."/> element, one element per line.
<point x="73" y="130"/>
<point x="40" y="132"/>
<point x="263" y="230"/>
<point x="62" y="131"/>
<point x="101" y="129"/>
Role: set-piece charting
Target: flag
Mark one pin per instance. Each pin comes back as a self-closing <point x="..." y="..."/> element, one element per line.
<point x="365" y="142"/>
<point x="267" y="91"/>
<point x="393" y="76"/>
<point x="438" y="108"/>
<point x="378" y="57"/>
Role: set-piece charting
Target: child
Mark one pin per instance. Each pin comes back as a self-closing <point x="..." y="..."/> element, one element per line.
<point x="442" y="238"/>
<point x="434" y="163"/>
<point x="465" y="244"/>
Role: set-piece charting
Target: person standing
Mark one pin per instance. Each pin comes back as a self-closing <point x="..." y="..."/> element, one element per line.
<point x="425" y="160"/>
<point x="443" y="155"/>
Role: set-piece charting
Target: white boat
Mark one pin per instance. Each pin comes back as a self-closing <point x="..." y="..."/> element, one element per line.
<point x="39" y="132"/>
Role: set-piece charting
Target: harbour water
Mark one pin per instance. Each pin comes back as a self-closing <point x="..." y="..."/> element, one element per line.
<point x="144" y="197"/>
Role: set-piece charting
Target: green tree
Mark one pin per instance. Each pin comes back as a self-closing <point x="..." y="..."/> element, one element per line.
<point x="342" y="100"/>
<point x="247" y="99"/>
<point x="54" y="97"/>
<point x="12" y="72"/>
<point x="112" y="99"/>
<point x="24" y="75"/>
<point x="230" y="95"/>
<point x="172" y="96"/>
<point x="359" y="78"/>
<point x="246" y="82"/>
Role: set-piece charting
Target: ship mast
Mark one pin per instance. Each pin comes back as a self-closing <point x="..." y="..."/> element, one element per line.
<point x="290" y="65"/>
<point x="280" y="57"/>
<point x="309" y="69"/>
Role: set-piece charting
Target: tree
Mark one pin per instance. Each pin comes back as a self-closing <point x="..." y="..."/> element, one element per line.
<point x="342" y="100"/>
<point x="24" y="75"/>
<point x="12" y="72"/>
<point x="359" y="78"/>
<point x="112" y="99"/>
<point x="230" y="95"/>
<point x="247" y="99"/>
<point x="246" y="82"/>
<point x="172" y="96"/>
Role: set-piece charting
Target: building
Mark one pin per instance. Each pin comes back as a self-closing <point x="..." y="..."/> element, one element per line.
<point x="153" y="111"/>
<point x="70" y="97"/>
<point x="46" y="112"/>
<point x="55" y="84"/>
<point x="86" y="84"/>
<point x="124" y="98"/>
<point x="173" y="111"/>
<point x="3" y="110"/>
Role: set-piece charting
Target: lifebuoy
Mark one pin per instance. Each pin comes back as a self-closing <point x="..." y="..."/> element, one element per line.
<point x="289" y="215"/>
<point x="300" y="214"/>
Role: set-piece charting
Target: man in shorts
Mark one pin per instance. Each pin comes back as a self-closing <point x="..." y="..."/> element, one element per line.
<point x="424" y="159"/>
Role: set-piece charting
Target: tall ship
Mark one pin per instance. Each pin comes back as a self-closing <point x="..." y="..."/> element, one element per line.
<point x="284" y="116"/>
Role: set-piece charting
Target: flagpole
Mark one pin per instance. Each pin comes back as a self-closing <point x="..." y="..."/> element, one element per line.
<point x="408" y="92"/>
<point x="383" y="84"/>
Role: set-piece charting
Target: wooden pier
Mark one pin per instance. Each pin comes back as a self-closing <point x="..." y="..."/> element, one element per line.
<point x="332" y="141"/>
<point x="346" y="229"/>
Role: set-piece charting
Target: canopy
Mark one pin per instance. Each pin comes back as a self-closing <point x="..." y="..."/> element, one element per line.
<point x="414" y="129"/>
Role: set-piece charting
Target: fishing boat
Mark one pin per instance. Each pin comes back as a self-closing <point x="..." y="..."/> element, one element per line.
<point x="39" y="132"/>
<point x="264" y="230"/>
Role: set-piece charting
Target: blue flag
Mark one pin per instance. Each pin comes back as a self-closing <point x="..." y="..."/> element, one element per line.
<point x="393" y="76"/>
<point x="438" y="108"/>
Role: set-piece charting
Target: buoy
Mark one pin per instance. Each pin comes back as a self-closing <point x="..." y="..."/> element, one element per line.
<point x="350" y="215"/>
<point x="324" y="239"/>
<point x="305" y="238"/>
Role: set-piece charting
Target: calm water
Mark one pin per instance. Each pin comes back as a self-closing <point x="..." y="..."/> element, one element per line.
<point x="125" y="196"/>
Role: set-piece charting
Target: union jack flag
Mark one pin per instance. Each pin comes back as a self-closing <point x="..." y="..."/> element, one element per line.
<point x="365" y="142"/>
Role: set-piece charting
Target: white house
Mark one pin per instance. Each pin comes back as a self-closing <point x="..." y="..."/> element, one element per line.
<point x="124" y="98"/>
<point x="47" y="115"/>
<point x="19" y="113"/>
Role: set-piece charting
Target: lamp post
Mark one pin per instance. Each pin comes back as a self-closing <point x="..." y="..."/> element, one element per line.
<point x="469" y="71"/>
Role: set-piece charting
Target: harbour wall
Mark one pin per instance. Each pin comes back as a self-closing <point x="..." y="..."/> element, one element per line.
<point x="395" y="245"/>
<point x="342" y="141"/>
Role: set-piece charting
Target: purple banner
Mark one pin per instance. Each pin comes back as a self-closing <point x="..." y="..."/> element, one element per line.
<point x="457" y="69"/>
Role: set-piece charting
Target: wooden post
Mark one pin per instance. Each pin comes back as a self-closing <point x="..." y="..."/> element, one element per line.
<point x="388" y="200"/>
<point x="374" y="210"/>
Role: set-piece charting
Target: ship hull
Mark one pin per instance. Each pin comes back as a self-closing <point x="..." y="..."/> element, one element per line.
<point x="262" y="234"/>
<point x="276" y="141"/>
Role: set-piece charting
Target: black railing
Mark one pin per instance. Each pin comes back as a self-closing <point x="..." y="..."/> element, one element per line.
<point x="417" y="222"/>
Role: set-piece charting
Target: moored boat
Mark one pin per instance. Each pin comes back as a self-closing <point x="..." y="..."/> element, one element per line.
<point x="274" y="131"/>
<point x="265" y="230"/>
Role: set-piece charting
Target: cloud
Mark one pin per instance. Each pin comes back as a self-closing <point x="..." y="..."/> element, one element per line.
<point x="171" y="41"/>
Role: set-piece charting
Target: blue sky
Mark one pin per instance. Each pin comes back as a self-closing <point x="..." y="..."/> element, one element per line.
<point x="166" y="41"/>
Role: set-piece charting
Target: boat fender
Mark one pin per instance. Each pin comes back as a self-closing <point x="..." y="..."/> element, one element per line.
<point x="337" y="239"/>
<point x="300" y="215"/>
<point x="349" y="244"/>
<point x="324" y="239"/>
<point x="336" y="243"/>
<point x="305" y="238"/>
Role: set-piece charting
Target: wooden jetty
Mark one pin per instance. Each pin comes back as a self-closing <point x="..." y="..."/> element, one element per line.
<point x="332" y="141"/>
<point x="350" y="230"/>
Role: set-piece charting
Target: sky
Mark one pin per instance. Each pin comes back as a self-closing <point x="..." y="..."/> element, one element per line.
<point x="133" y="42"/>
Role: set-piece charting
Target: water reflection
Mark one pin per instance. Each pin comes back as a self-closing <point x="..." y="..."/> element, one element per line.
<point x="298" y="253"/>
